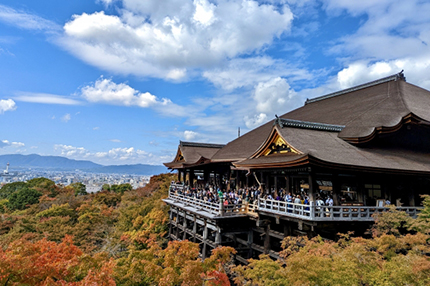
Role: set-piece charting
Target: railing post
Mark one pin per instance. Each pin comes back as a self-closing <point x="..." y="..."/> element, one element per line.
<point x="221" y="206"/>
<point x="312" y="209"/>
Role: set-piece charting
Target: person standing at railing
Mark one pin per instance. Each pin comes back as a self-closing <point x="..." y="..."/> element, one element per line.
<point x="306" y="202"/>
<point x="329" y="201"/>
<point x="289" y="199"/>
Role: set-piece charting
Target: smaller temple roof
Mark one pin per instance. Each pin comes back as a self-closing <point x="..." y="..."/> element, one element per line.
<point x="192" y="153"/>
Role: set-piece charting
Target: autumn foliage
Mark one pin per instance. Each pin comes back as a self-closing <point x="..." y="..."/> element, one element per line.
<point x="55" y="235"/>
<point x="116" y="236"/>
<point x="398" y="253"/>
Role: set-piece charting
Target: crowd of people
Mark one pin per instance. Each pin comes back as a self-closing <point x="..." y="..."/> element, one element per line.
<point x="250" y="195"/>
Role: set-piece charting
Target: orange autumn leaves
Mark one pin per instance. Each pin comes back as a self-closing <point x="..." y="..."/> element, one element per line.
<point x="48" y="263"/>
<point x="106" y="238"/>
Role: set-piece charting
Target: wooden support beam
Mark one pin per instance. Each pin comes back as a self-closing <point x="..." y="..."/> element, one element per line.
<point x="185" y="225"/>
<point x="250" y="242"/>
<point x="205" y="241"/>
<point x="218" y="238"/>
<point x="194" y="228"/>
<point x="267" y="240"/>
<point x="177" y="222"/>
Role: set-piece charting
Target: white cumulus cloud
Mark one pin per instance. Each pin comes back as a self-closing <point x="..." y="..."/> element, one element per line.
<point x="256" y="120"/>
<point x="168" y="38"/>
<point x="272" y="96"/>
<point x="7" y="143"/>
<point x="7" y="105"/>
<point x="190" y="135"/>
<point x="106" y="91"/>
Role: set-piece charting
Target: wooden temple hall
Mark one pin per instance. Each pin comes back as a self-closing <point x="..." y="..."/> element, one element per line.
<point x="319" y="169"/>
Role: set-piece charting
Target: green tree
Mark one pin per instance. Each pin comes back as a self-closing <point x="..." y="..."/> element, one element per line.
<point x="10" y="188"/>
<point x="44" y="185"/>
<point x="121" y="189"/>
<point x="79" y="188"/>
<point x="24" y="197"/>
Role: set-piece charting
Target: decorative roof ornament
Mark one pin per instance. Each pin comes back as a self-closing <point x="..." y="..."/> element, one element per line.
<point x="281" y="122"/>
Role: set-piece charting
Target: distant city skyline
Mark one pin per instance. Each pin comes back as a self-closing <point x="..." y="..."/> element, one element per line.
<point x="122" y="81"/>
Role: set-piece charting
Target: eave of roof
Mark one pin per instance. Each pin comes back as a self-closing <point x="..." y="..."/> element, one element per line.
<point x="198" y="144"/>
<point x="274" y="161"/>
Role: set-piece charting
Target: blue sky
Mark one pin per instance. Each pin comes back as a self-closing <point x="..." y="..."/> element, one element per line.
<point x="121" y="82"/>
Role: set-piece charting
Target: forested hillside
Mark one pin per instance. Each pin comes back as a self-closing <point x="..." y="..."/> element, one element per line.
<point x="53" y="235"/>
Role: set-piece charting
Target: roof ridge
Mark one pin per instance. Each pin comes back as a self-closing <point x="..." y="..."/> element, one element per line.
<point x="394" y="77"/>
<point x="284" y="122"/>
<point x="198" y="144"/>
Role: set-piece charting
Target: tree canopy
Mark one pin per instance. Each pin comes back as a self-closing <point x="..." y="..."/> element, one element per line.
<point x="54" y="235"/>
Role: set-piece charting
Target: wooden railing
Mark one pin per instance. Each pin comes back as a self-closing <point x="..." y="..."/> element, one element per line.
<point x="177" y="193"/>
<point x="288" y="209"/>
<point x="327" y="213"/>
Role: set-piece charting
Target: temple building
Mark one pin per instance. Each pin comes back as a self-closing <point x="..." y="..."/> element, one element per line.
<point x="360" y="144"/>
<point x="363" y="147"/>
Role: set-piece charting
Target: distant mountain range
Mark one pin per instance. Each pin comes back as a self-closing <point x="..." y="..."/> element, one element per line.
<point x="64" y="164"/>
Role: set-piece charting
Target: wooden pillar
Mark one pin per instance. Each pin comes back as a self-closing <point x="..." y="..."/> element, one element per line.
<point x="262" y="184"/>
<point x="205" y="239"/>
<point x="288" y="184"/>
<point x="335" y="190"/>
<point x="179" y="175"/>
<point x="170" y="221"/>
<point x="312" y="185"/>
<point x="177" y="223"/>
<point x="184" y="225"/>
<point x="411" y="194"/>
<point x="287" y="229"/>
<point x="206" y="176"/>
<point x="218" y="239"/>
<point x="237" y="179"/>
<point x="267" y="239"/>
<point x="276" y="183"/>
<point x="229" y="180"/>
<point x="194" y="228"/>
<point x="191" y="178"/>
<point x="250" y="242"/>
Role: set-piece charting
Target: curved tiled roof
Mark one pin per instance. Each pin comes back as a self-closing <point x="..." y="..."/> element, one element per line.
<point x="361" y="110"/>
<point x="360" y="127"/>
<point x="193" y="153"/>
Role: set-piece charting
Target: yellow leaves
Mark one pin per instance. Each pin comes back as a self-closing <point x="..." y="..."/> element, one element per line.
<point x="384" y="260"/>
<point x="177" y="264"/>
<point x="391" y="222"/>
<point x="178" y="252"/>
<point x="220" y="256"/>
<point x="262" y="271"/>
<point x="57" y="210"/>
